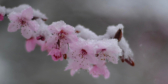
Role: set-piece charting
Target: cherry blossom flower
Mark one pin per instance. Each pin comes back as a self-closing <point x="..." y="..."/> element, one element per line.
<point x="22" y="20"/>
<point x="81" y="56"/>
<point x="108" y="49"/>
<point x="62" y="35"/>
<point x="65" y="33"/>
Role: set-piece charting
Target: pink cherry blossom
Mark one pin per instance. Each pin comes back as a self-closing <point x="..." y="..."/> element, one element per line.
<point x="108" y="49"/>
<point x="62" y="35"/>
<point x="65" y="33"/>
<point x="81" y="56"/>
<point x="22" y="20"/>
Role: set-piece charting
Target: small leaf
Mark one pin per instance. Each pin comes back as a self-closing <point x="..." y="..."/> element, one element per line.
<point x="118" y="35"/>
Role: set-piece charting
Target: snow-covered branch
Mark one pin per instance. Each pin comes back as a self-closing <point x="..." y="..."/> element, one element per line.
<point x="81" y="47"/>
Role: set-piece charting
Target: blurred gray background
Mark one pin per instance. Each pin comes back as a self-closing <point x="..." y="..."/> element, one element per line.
<point x="146" y="29"/>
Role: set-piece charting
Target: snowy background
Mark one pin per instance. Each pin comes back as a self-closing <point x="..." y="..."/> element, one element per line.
<point x="146" y="29"/>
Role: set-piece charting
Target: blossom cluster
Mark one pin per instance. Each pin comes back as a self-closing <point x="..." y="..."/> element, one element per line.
<point x="81" y="47"/>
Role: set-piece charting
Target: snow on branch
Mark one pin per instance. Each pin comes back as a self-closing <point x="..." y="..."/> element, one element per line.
<point x="81" y="47"/>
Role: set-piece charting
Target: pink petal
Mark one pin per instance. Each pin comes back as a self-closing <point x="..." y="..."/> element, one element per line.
<point x="13" y="26"/>
<point x="27" y="13"/>
<point x="107" y="74"/>
<point x="1" y="17"/>
<point x="14" y="16"/>
<point x="55" y="26"/>
<point x="73" y="72"/>
<point x="94" y="71"/>
<point x="27" y="32"/>
<point x="56" y="55"/>
<point x="33" y="25"/>
<point x="64" y="48"/>
<point x="99" y="69"/>
<point x="30" y="45"/>
<point x="43" y="47"/>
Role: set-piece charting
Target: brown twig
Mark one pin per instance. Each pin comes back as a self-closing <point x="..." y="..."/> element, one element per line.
<point x="118" y="35"/>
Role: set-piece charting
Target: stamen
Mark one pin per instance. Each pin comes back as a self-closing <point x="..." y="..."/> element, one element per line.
<point x="83" y="52"/>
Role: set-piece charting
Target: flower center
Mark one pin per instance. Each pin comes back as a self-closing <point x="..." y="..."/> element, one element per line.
<point x="83" y="52"/>
<point x="62" y="34"/>
<point x="40" y="38"/>
<point x="22" y="22"/>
